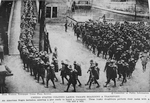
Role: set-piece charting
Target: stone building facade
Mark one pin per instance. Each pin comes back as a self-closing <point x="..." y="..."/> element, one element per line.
<point x="56" y="10"/>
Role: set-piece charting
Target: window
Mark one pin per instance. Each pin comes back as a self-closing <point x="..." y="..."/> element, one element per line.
<point x="51" y="12"/>
<point x="48" y="12"/>
<point x="54" y="15"/>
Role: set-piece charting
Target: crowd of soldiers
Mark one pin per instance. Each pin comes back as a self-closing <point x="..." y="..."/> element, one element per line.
<point x="120" y="43"/>
<point x="114" y="39"/>
<point x="123" y="42"/>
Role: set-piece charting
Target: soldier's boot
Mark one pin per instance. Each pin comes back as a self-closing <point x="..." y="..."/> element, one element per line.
<point x="67" y="88"/>
<point x="74" y="86"/>
<point x="107" y="83"/>
<point x="47" y="83"/>
<point x="88" y="81"/>
<point x="28" y="68"/>
<point x="24" y="66"/>
<point x="90" y="84"/>
<point x="31" y="71"/>
<point x="119" y="77"/>
<point x="56" y="79"/>
<point x="79" y="82"/>
<point x="38" y="78"/>
<point x="43" y="80"/>
<point x="35" y="76"/>
<point x="97" y="84"/>
<point x="53" y="84"/>
<point x="114" y="82"/>
<point x="98" y="53"/>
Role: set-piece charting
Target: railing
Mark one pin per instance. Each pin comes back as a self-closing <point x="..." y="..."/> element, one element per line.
<point x="71" y="21"/>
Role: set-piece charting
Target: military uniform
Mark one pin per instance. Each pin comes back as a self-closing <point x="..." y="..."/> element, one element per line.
<point x="50" y="74"/>
<point x="94" y="75"/>
<point x="77" y="67"/>
<point x="64" y="71"/>
<point x="72" y="80"/>
<point x="111" y="71"/>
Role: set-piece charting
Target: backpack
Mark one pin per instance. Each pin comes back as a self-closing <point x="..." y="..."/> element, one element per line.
<point x="79" y="71"/>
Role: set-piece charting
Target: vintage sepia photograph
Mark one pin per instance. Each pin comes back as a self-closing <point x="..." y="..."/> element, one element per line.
<point x="74" y="46"/>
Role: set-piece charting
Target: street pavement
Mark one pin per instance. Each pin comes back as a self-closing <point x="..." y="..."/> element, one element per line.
<point x="70" y="49"/>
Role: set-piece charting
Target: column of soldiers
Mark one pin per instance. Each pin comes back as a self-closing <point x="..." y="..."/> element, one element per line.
<point x="38" y="62"/>
<point x="34" y="61"/>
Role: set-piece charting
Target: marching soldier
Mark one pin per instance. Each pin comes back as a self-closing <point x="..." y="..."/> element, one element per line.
<point x="55" y="67"/>
<point x="94" y="75"/>
<point x="89" y="70"/>
<point x="72" y="79"/>
<point x="77" y="67"/>
<point x="50" y="75"/>
<point x="55" y="63"/>
<point x="111" y="71"/>
<point x="64" y="72"/>
<point x="106" y="66"/>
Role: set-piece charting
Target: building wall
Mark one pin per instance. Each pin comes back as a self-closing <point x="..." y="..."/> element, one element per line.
<point x="61" y="11"/>
<point x="127" y="6"/>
